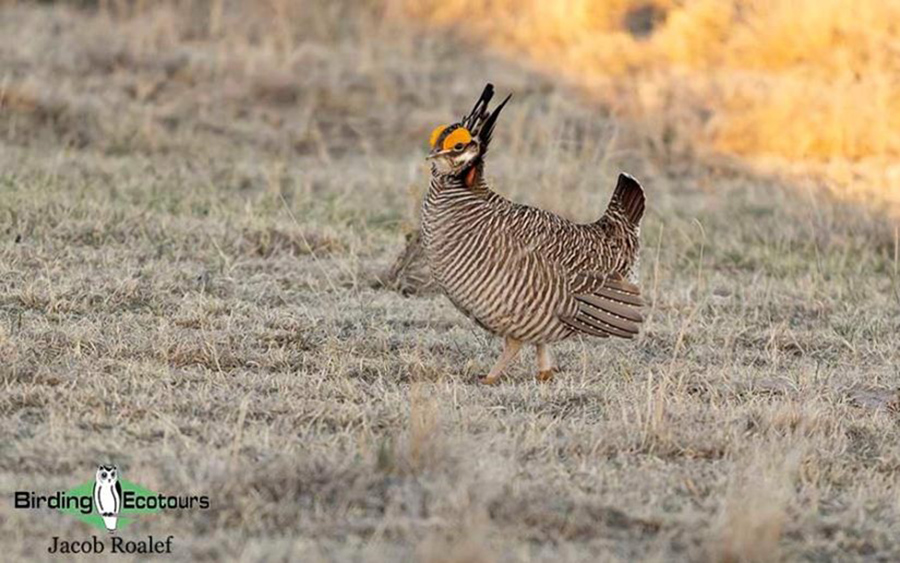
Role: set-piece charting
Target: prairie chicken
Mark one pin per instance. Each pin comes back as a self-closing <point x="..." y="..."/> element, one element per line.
<point x="521" y="272"/>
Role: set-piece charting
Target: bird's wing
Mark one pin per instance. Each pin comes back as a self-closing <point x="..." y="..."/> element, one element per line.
<point x="606" y="305"/>
<point x="118" y="503"/>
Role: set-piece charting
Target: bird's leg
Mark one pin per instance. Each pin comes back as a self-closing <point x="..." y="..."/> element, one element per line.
<point x="511" y="348"/>
<point x="546" y="365"/>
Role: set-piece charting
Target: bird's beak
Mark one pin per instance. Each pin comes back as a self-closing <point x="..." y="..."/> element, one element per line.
<point x="434" y="154"/>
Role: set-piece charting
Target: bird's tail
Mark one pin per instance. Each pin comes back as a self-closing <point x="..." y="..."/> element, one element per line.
<point x="110" y="522"/>
<point x="627" y="200"/>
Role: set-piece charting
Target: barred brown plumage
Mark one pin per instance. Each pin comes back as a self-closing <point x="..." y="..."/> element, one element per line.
<point x="521" y="272"/>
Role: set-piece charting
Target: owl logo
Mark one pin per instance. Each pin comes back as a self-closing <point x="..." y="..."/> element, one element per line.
<point x="108" y="495"/>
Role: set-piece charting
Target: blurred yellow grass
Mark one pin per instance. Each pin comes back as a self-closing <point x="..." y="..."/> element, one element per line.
<point x="811" y="84"/>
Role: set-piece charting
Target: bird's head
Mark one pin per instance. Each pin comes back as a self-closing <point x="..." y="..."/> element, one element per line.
<point x="453" y="149"/>
<point x="459" y="148"/>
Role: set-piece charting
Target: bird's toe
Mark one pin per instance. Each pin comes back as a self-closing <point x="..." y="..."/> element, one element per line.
<point x="546" y="375"/>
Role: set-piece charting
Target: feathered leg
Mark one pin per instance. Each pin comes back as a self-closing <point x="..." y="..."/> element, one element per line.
<point x="511" y="349"/>
<point x="546" y="364"/>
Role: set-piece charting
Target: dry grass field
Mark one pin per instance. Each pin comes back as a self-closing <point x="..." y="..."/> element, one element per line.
<point x="198" y="202"/>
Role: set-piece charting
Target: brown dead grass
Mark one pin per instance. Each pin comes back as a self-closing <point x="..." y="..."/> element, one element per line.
<point x="188" y="244"/>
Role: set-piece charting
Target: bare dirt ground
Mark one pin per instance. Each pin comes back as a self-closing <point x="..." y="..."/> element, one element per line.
<point x="195" y="204"/>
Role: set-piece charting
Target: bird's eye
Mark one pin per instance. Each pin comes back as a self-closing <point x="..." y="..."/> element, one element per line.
<point x="103" y="475"/>
<point x="458" y="147"/>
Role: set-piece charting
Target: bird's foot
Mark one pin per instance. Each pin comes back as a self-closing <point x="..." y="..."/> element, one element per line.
<point x="489" y="380"/>
<point x="546" y="375"/>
